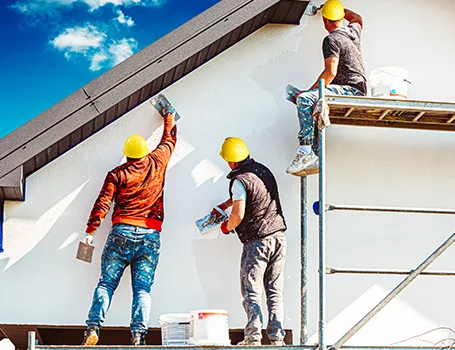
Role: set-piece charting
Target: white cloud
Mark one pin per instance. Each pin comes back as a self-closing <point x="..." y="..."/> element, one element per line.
<point x="122" y="49"/>
<point x="94" y="4"/>
<point x="91" y="44"/>
<point x="96" y="61"/>
<point x="79" y="39"/>
<point x="37" y="7"/>
<point x="126" y="20"/>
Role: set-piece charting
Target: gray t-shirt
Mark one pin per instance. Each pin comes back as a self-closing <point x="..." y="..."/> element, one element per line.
<point x="344" y="43"/>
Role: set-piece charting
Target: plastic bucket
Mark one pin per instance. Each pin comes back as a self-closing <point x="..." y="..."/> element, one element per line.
<point x="389" y="82"/>
<point x="210" y="327"/>
<point x="175" y="329"/>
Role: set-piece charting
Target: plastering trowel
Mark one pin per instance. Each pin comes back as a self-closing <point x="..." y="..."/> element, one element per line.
<point x="85" y="252"/>
<point x="211" y="220"/>
<point x="160" y="101"/>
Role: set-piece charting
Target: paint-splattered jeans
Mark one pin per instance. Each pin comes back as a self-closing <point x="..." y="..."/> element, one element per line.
<point x="261" y="268"/>
<point x="127" y="245"/>
<point x="305" y="104"/>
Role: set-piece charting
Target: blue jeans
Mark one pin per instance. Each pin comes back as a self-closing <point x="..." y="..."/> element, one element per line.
<point x="305" y="104"/>
<point x="261" y="267"/>
<point x="127" y="245"/>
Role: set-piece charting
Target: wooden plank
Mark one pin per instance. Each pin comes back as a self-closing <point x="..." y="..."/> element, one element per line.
<point x="349" y="111"/>
<point x="392" y="124"/>
<point x="418" y="116"/>
<point x="384" y="114"/>
<point x="451" y="119"/>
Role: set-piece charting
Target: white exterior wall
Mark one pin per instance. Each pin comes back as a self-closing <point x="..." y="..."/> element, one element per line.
<point x="239" y="93"/>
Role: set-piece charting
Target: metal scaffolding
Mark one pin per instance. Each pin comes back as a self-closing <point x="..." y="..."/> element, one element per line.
<point x="363" y="111"/>
<point x="357" y="111"/>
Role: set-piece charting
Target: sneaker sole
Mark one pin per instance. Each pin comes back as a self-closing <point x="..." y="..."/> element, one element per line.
<point x="91" y="340"/>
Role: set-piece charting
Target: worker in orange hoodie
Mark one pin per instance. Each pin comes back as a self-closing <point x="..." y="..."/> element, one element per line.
<point x="136" y="187"/>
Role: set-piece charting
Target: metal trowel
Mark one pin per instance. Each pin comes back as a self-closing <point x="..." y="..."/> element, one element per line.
<point x="160" y="101"/>
<point x="85" y="252"/>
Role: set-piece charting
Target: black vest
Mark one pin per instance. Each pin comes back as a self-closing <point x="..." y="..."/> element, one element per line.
<point x="263" y="213"/>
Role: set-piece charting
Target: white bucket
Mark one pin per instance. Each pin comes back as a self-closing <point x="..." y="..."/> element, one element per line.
<point x="389" y="82"/>
<point x="210" y="327"/>
<point x="175" y="329"/>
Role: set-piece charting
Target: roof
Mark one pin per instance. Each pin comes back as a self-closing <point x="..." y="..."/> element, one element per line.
<point x="130" y="83"/>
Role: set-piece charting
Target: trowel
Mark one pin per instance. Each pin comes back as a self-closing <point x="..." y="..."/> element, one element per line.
<point x="211" y="220"/>
<point x="160" y="101"/>
<point x="85" y="252"/>
<point x="312" y="9"/>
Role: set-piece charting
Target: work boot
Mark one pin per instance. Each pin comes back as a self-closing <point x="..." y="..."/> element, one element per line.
<point x="137" y="339"/>
<point x="91" y="336"/>
<point x="304" y="164"/>
<point x="248" y="342"/>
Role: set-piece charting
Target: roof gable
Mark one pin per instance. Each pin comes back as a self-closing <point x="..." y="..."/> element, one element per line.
<point x="130" y="83"/>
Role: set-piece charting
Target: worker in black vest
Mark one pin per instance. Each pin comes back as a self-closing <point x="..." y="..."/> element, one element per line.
<point x="259" y="223"/>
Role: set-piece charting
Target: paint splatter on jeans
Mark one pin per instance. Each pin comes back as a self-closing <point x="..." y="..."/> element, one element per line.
<point x="261" y="268"/>
<point x="127" y="245"/>
<point x="305" y="104"/>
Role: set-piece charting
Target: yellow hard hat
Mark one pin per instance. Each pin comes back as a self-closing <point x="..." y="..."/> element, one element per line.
<point x="333" y="10"/>
<point x="234" y="150"/>
<point x="135" y="147"/>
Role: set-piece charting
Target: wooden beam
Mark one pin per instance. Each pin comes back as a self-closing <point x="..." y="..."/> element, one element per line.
<point x="348" y="113"/>
<point x="418" y="116"/>
<point x="397" y="124"/>
<point x="384" y="114"/>
<point x="451" y="119"/>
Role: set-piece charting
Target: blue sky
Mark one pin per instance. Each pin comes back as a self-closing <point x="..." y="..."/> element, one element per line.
<point x="50" y="48"/>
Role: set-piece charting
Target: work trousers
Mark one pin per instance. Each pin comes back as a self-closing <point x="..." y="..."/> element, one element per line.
<point x="305" y="103"/>
<point x="261" y="268"/>
<point x="139" y="248"/>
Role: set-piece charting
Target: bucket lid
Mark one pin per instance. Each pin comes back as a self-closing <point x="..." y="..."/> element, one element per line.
<point x="175" y="318"/>
<point x="210" y="312"/>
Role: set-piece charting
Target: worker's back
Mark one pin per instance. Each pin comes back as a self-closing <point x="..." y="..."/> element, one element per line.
<point x="344" y="43"/>
<point x="140" y="189"/>
<point x="136" y="187"/>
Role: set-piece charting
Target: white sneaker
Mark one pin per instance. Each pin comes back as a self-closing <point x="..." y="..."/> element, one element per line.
<point x="304" y="164"/>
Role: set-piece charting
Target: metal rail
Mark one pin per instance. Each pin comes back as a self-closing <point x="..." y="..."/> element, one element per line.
<point x="31" y="341"/>
<point x="304" y="261"/>
<point x="334" y="271"/>
<point x="334" y="207"/>
<point x="322" y="250"/>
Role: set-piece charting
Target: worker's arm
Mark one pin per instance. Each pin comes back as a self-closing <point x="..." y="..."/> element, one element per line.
<point x="102" y="204"/>
<point x="237" y="214"/>
<point x="329" y="73"/>
<point x="353" y="17"/>
<point x="163" y="151"/>
<point x="225" y="205"/>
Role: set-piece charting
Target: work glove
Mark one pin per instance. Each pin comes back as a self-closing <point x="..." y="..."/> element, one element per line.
<point x="221" y="207"/>
<point x="224" y="228"/>
<point x="167" y="110"/>
<point x="88" y="239"/>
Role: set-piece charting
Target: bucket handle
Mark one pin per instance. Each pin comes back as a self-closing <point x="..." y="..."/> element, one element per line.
<point x="394" y="75"/>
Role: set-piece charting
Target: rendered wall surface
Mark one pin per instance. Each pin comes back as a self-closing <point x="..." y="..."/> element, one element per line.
<point x="239" y="93"/>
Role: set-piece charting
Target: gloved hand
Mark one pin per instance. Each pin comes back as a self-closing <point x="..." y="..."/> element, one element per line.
<point x="88" y="239"/>
<point x="224" y="228"/>
<point x="167" y="110"/>
<point x="221" y="206"/>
